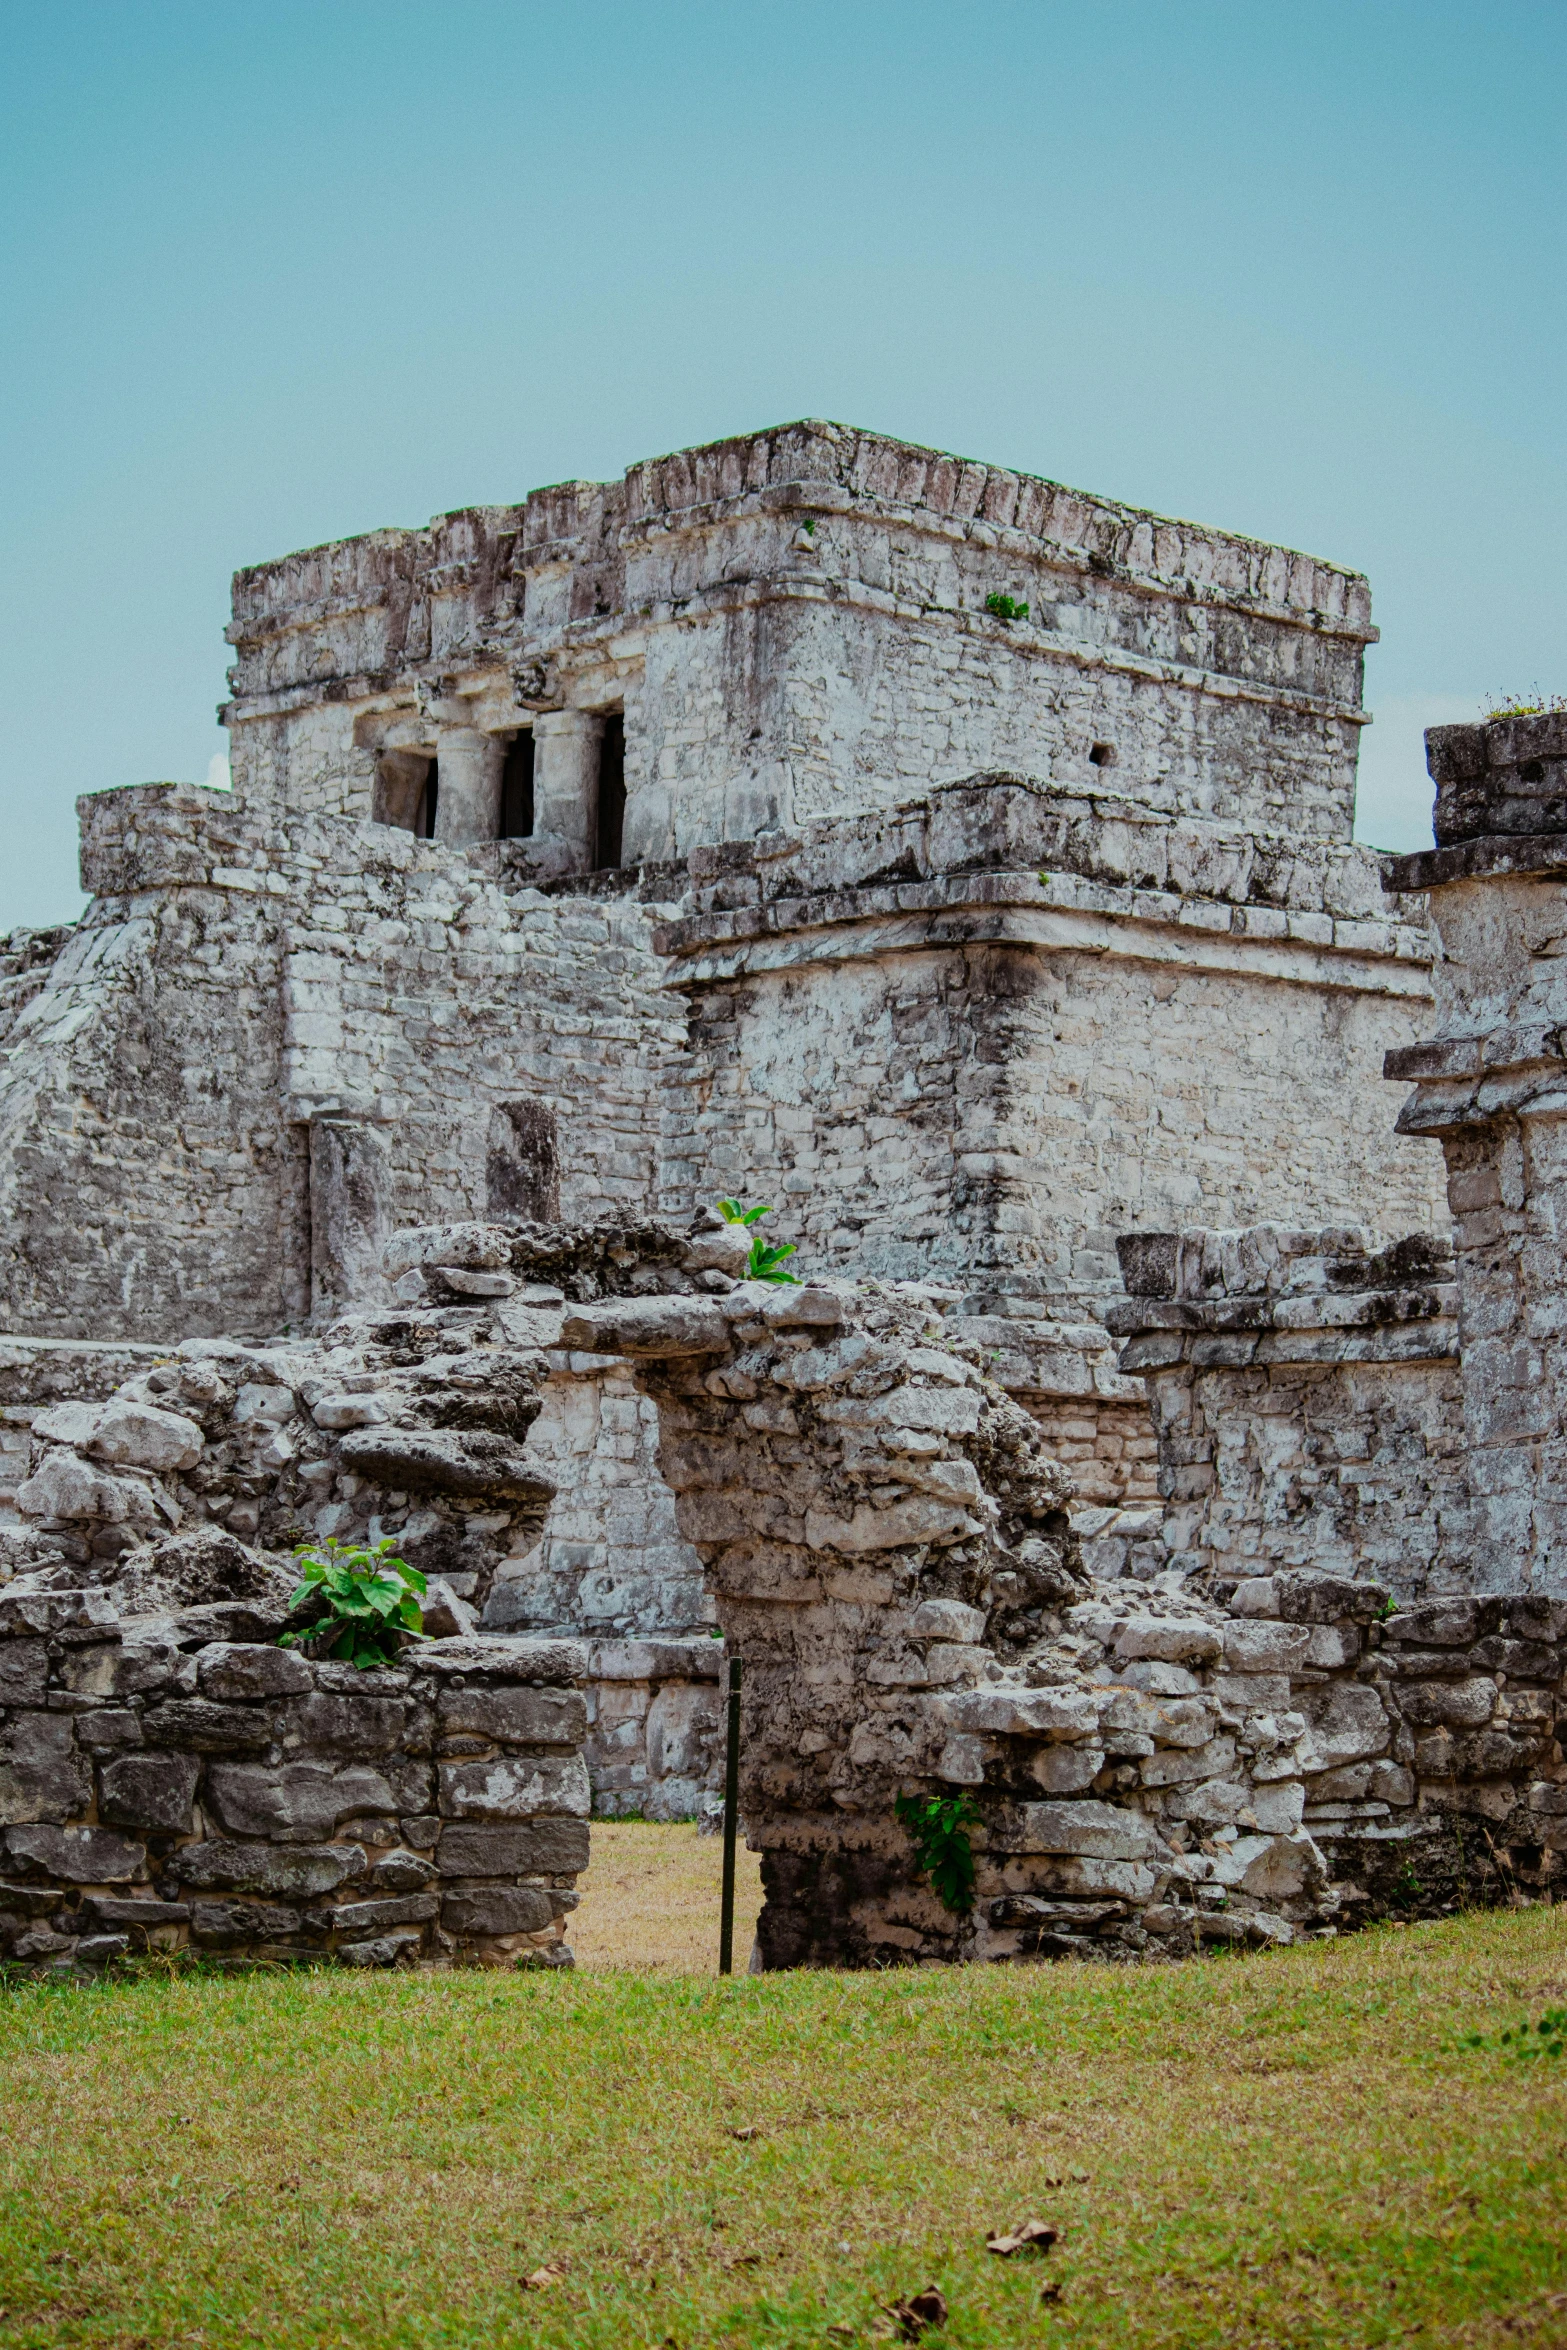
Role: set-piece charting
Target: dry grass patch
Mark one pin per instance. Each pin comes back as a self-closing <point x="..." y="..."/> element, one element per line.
<point x="1286" y="2149"/>
<point x="650" y="1900"/>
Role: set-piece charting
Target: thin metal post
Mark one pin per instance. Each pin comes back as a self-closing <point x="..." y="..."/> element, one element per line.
<point x="726" y="1926"/>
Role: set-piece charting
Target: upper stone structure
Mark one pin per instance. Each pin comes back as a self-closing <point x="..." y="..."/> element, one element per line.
<point x="800" y="623"/>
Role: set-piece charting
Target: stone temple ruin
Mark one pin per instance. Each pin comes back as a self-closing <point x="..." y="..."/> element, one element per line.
<point x="1165" y="1444"/>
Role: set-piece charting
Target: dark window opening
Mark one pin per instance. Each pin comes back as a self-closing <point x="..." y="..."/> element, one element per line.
<point x="612" y="791"/>
<point x="517" y="790"/>
<point x="522" y="1163"/>
<point x="429" y="797"/>
<point x="1102" y="755"/>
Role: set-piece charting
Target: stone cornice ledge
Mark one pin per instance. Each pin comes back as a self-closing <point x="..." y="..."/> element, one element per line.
<point x="1473" y="860"/>
<point x="1413" y="1325"/>
<point x="1062" y="916"/>
<point x="1467" y="1080"/>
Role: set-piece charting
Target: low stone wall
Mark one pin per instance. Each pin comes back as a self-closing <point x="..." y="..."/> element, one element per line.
<point x="176" y="1782"/>
<point x="1306" y="1393"/>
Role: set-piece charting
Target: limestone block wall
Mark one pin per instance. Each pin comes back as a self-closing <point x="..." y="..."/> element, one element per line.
<point x="974" y="1037"/>
<point x="891" y="1558"/>
<point x="179" y="1782"/>
<point x="1306" y="1396"/>
<point x="1037" y="1020"/>
<point x="611" y="1563"/>
<point x="25" y="958"/>
<point x="265" y="1047"/>
<point x="612" y="1566"/>
<point x="655" y="1737"/>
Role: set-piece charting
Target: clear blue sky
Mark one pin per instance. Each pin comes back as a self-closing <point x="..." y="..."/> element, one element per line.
<point x="280" y="271"/>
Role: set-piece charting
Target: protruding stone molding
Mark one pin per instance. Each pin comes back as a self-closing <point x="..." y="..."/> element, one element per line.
<point x="1016" y="909"/>
<point x="1469" y="1081"/>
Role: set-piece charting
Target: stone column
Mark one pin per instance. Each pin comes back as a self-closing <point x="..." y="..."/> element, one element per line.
<point x="1492" y="1088"/>
<point x="350" y="1186"/>
<point x="469" y="807"/>
<point x="565" y="790"/>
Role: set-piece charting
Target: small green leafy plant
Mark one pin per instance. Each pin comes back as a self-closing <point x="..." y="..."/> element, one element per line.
<point x="766" y="1256"/>
<point x="939" y="1825"/>
<point x="1005" y="607"/>
<point x="365" y="1603"/>
<point x="809" y="526"/>
<point x="1526" y="2043"/>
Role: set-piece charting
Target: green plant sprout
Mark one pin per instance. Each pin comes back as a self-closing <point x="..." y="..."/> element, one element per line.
<point x="939" y="1825"/>
<point x="1534" y="705"/>
<point x="366" y="1603"/>
<point x="766" y="1256"/>
<point x="1005" y="607"/>
<point x="809" y="526"/>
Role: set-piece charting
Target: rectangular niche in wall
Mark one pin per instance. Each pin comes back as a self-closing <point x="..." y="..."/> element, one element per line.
<point x="611" y="791"/>
<point x="407" y="785"/>
<point x="522" y="1163"/>
<point x="424" y="821"/>
<point x="517" y="790"/>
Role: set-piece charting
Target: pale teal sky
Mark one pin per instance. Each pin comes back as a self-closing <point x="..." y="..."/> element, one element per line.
<point x="274" y="273"/>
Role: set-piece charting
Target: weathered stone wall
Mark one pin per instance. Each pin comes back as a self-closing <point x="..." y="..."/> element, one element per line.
<point x="888" y="1549"/>
<point x="611" y="1562"/>
<point x="796" y="623"/>
<point x="176" y="1781"/>
<point x="1306" y="1397"/>
<point x="267" y="1046"/>
<point x="1151" y="1769"/>
<point x="975" y="1037"/>
<point x="655" y="1738"/>
<point x="612" y="1567"/>
<point x="172" y="1773"/>
<point x="1491" y="1088"/>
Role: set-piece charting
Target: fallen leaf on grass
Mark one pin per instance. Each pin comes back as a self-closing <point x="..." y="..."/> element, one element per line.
<point x="745" y="2260"/>
<point x="1032" y="2236"/>
<point x="542" y="2278"/>
<point x="911" y="2317"/>
<point x="751" y="2130"/>
<point x="1050" y="2290"/>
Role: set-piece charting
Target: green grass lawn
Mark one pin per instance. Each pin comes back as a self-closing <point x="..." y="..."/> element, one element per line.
<point x="1286" y="2148"/>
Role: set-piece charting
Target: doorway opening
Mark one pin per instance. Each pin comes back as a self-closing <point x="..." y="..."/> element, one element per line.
<point x="611" y="791"/>
<point x="517" y="790"/>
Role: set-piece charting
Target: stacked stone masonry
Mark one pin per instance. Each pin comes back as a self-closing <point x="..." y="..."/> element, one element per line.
<point x="1306" y="1393"/>
<point x="716" y="831"/>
